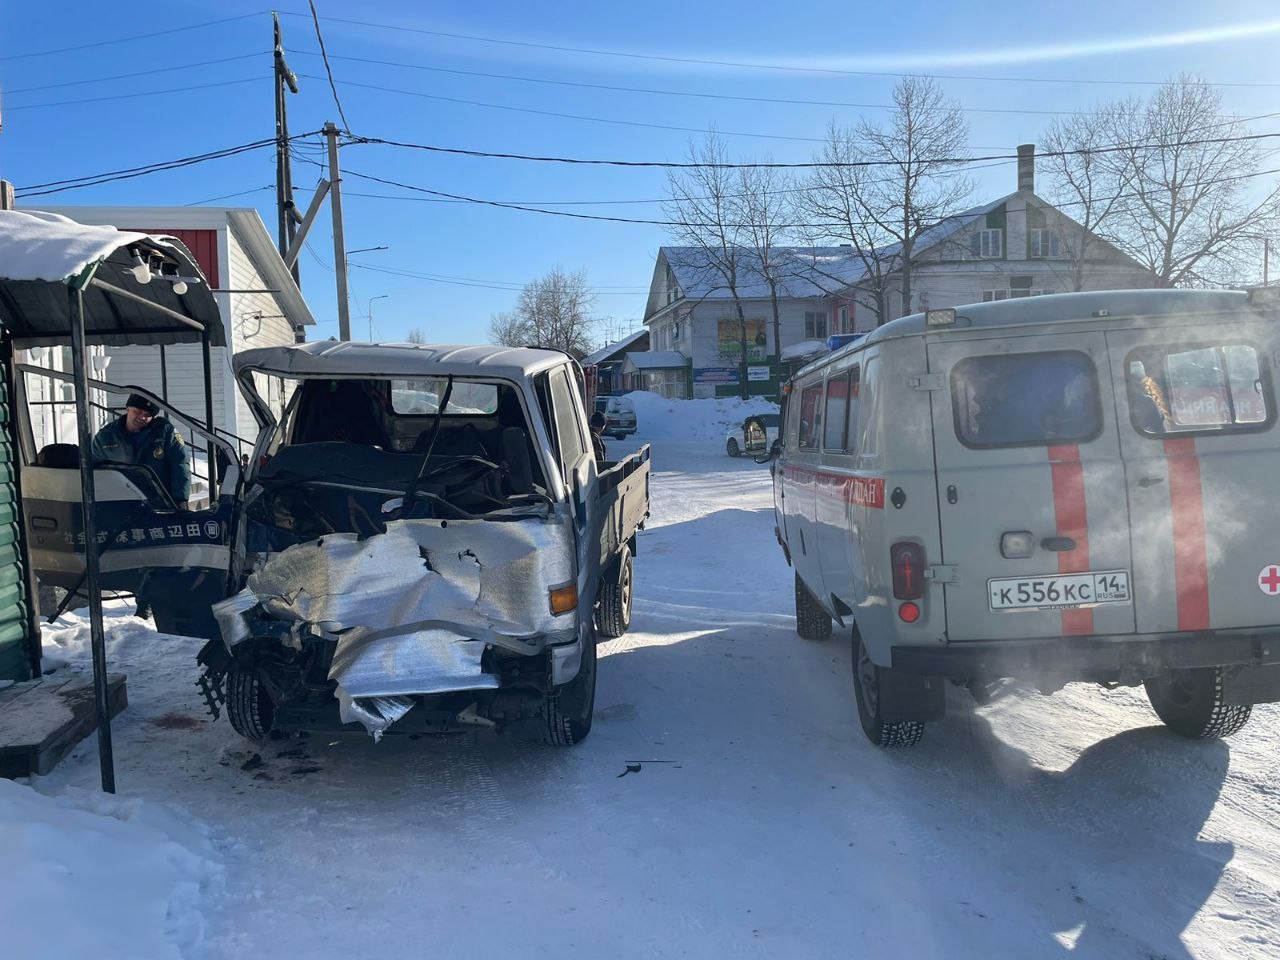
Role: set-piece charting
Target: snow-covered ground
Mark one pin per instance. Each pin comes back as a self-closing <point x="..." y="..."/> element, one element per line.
<point x="759" y="823"/>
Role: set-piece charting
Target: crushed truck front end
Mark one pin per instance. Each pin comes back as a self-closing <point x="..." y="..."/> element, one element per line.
<point x="406" y="556"/>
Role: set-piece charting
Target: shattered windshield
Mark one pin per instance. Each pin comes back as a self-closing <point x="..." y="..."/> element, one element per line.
<point x="422" y="397"/>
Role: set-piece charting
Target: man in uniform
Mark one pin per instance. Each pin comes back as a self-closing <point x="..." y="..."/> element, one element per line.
<point x="140" y="436"/>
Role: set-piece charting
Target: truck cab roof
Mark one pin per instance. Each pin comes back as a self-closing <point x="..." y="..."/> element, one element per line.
<point x="333" y="358"/>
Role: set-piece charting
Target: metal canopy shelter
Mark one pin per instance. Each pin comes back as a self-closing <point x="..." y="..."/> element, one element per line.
<point x="64" y="283"/>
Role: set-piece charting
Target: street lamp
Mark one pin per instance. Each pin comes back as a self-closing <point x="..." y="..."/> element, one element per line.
<point x="346" y="267"/>
<point x="381" y="296"/>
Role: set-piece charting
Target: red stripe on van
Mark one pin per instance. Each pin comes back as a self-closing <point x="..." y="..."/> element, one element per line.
<point x="1190" y="553"/>
<point x="1071" y="515"/>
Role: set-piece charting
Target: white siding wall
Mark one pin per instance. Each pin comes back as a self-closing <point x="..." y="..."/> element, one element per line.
<point x="256" y="321"/>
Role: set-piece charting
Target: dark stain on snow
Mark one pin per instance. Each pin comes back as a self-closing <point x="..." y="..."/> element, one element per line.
<point x="177" y="721"/>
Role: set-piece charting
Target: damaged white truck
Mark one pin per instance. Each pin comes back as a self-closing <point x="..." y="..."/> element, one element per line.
<point x="423" y="540"/>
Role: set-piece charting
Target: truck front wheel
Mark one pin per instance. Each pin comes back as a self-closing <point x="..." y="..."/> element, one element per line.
<point x="613" y="615"/>
<point x="868" y="690"/>
<point x="1190" y="702"/>
<point x="569" y="707"/>
<point x="249" y="705"/>
<point x="812" y="622"/>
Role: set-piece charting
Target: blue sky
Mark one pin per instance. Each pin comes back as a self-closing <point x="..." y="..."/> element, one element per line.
<point x="481" y="255"/>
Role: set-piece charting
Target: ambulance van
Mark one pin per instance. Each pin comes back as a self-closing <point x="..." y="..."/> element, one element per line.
<point x="1076" y="487"/>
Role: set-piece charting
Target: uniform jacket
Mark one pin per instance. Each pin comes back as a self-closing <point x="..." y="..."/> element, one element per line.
<point x="160" y="448"/>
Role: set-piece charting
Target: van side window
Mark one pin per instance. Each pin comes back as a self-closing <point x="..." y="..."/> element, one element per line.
<point x="842" y="410"/>
<point x="810" y="416"/>
<point x="1221" y="388"/>
<point x="869" y="419"/>
<point x="1026" y="399"/>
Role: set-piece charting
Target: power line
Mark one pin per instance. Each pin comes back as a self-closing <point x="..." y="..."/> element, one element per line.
<point x="139" y="36"/>
<point x="507" y="286"/>
<point x="137" y="73"/>
<point x="135" y="95"/>
<point x="315" y="18"/>
<point x="748" y="65"/>
<point x="564" y="116"/>
<point x="652" y="91"/>
<point x="228" y="196"/>
<point x="780" y="226"/>
<point x="72" y="183"/>
<point x="804" y="165"/>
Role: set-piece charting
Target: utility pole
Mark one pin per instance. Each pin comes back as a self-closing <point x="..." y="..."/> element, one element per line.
<point x="287" y="214"/>
<point x="339" y="246"/>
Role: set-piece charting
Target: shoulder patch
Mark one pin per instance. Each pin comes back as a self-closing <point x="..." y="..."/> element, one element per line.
<point x="178" y="437"/>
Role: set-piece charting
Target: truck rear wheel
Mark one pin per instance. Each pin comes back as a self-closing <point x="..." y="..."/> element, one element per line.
<point x="613" y="615"/>
<point x="812" y="622"/>
<point x="569" y="707"/>
<point x="867" y="683"/>
<point x="249" y="706"/>
<point x="1190" y="702"/>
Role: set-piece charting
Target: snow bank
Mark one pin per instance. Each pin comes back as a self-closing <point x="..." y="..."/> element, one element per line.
<point x="92" y="875"/>
<point x="663" y="419"/>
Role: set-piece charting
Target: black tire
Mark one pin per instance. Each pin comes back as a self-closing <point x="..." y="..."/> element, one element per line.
<point x="569" y="708"/>
<point x="1190" y="703"/>
<point x="812" y="622"/>
<point x="731" y="447"/>
<point x="613" y="613"/>
<point x="249" y="706"/>
<point x="866" y="690"/>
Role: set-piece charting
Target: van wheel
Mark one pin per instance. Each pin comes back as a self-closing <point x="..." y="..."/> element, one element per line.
<point x="731" y="447"/>
<point x="866" y="690"/>
<point x="249" y="706"/>
<point x="812" y="622"/>
<point x="1190" y="702"/>
<point x="613" y="615"/>
<point x="569" y="707"/>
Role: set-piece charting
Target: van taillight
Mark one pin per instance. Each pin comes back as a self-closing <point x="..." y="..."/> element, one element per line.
<point x="907" y="560"/>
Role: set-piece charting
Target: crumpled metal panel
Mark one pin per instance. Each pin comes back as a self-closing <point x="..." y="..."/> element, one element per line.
<point x="376" y="713"/>
<point x="413" y="609"/>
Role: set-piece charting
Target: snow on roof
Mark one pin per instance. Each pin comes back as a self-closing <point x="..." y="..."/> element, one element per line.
<point x="801" y="272"/>
<point x="612" y="348"/>
<point x="805" y="348"/>
<point x="335" y="358"/>
<point x="46" y="247"/>
<point x="658" y="360"/>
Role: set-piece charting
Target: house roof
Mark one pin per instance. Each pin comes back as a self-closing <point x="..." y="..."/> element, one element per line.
<point x="802" y="271"/>
<point x="249" y="229"/>
<point x="658" y="360"/>
<point x="336" y="358"/>
<point x="605" y="352"/>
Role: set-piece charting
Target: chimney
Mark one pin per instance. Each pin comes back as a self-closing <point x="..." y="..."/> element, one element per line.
<point x="1027" y="167"/>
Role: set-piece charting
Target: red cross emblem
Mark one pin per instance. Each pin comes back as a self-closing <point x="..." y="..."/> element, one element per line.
<point x="1269" y="580"/>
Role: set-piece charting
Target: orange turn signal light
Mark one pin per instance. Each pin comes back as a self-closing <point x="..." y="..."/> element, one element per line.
<point x="564" y="599"/>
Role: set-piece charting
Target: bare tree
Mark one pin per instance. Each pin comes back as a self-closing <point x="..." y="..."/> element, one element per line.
<point x="1089" y="187"/>
<point x="1186" y="180"/>
<point x="763" y="206"/>
<point x="416" y="336"/>
<point x="915" y="184"/>
<point x="834" y="204"/>
<point x="553" y="311"/>
<point x="704" y="212"/>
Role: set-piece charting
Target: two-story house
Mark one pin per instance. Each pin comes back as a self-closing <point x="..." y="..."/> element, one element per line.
<point x="1017" y="246"/>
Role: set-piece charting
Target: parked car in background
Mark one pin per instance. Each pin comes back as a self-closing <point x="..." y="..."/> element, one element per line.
<point x="757" y="435"/>
<point x="619" y="415"/>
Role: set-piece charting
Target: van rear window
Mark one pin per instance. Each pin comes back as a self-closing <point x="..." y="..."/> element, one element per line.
<point x="1197" y="389"/>
<point x="1026" y="399"/>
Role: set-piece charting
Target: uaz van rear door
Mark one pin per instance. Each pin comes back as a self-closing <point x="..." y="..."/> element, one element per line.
<point x="1197" y="436"/>
<point x="1031" y="491"/>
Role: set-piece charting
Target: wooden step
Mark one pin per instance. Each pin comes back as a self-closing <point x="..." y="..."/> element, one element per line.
<point x="42" y="720"/>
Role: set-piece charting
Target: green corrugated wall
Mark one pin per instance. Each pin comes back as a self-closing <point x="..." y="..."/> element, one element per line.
<point x="14" y="663"/>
